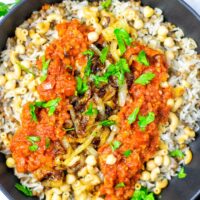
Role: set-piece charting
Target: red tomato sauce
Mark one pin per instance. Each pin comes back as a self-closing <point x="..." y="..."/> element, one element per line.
<point x="142" y="143"/>
<point x="62" y="52"/>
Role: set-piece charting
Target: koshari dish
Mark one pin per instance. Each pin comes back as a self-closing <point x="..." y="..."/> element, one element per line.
<point x="99" y="101"/>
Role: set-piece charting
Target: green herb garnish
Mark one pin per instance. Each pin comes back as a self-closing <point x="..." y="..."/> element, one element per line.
<point x="118" y="70"/>
<point x="22" y="67"/>
<point x="127" y="153"/>
<point x="33" y="147"/>
<point x="99" y="79"/>
<point x="120" y="185"/>
<point x="32" y="112"/>
<point x="132" y="117"/>
<point x="81" y="85"/>
<point x="177" y="153"/>
<point x="106" y="4"/>
<point x="115" y="145"/>
<point x="25" y="190"/>
<point x="89" y="62"/>
<point x="142" y="194"/>
<point x="52" y="104"/>
<point x="145" y="120"/>
<point x="107" y="123"/>
<point x="123" y="39"/>
<point x="91" y="111"/>
<point x="142" y="58"/>
<point x="33" y="139"/>
<point x="47" y="143"/>
<point x="45" y="66"/>
<point x="182" y="174"/>
<point x="104" y="54"/>
<point x="145" y="79"/>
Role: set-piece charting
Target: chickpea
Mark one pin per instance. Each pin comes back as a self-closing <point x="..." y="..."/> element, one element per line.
<point x="93" y="36"/>
<point x="151" y="165"/>
<point x="138" y="24"/>
<point x="169" y="42"/>
<point x="111" y="160"/>
<point x="162" y="30"/>
<point x="148" y="11"/>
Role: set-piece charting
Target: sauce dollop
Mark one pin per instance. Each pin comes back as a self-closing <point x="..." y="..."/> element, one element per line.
<point x="141" y="143"/>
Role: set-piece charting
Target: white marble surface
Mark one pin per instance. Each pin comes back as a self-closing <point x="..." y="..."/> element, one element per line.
<point x="195" y="4"/>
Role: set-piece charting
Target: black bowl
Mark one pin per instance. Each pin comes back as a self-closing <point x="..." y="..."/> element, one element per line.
<point x="176" y="12"/>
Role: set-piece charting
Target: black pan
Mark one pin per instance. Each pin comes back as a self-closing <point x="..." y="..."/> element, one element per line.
<point x="176" y="12"/>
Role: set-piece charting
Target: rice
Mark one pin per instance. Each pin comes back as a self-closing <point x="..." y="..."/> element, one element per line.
<point x="184" y="66"/>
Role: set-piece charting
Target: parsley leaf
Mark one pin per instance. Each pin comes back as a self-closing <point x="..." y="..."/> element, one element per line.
<point x="118" y="70"/>
<point x="106" y="4"/>
<point x="145" y="120"/>
<point x="22" y="67"/>
<point x="47" y="142"/>
<point x="123" y="38"/>
<point x="107" y="123"/>
<point x="33" y="147"/>
<point x="32" y="112"/>
<point x="90" y="54"/>
<point x="182" y="173"/>
<point x="52" y="104"/>
<point x="91" y="111"/>
<point x="33" y="139"/>
<point x="115" y="145"/>
<point x="104" y="54"/>
<point x="81" y="85"/>
<point x="142" y="58"/>
<point x="133" y="115"/>
<point x="25" y="190"/>
<point x="4" y="8"/>
<point x="145" y="79"/>
<point x="142" y="194"/>
<point x="45" y="66"/>
<point x="127" y="153"/>
<point x="177" y="153"/>
<point x="99" y="79"/>
<point x="120" y="185"/>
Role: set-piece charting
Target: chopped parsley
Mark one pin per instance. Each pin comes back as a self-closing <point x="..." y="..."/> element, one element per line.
<point x="81" y="85"/>
<point x="127" y="153"/>
<point x="115" y="145"/>
<point x="47" y="142"/>
<point x="104" y="54"/>
<point x="90" y="54"/>
<point x="177" y="153"/>
<point x="25" y="69"/>
<point x="91" y="111"/>
<point x="99" y="79"/>
<point x="142" y="194"/>
<point x="33" y="139"/>
<point x="142" y="58"/>
<point x="123" y="39"/>
<point x="106" y="4"/>
<point x="52" y="104"/>
<point x="118" y="70"/>
<point x="181" y="173"/>
<point x="132" y="117"/>
<point x="33" y="147"/>
<point x="45" y="66"/>
<point x="107" y="123"/>
<point x="145" y="79"/>
<point x="145" y="120"/>
<point x="120" y="185"/>
<point x="25" y="190"/>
